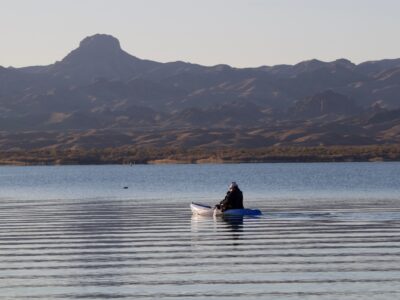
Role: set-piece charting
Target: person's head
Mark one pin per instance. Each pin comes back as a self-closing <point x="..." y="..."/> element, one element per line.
<point x="233" y="186"/>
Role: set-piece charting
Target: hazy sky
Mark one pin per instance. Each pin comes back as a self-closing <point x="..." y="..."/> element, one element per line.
<point x="242" y="33"/>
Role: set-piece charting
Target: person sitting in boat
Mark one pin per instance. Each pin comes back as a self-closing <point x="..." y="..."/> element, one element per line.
<point x="233" y="198"/>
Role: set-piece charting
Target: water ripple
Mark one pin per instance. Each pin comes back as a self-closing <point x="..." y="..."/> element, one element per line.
<point x="97" y="249"/>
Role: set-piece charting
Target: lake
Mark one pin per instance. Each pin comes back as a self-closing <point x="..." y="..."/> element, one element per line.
<point x="328" y="231"/>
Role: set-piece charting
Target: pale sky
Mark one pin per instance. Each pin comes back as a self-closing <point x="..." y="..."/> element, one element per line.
<point x="241" y="33"/>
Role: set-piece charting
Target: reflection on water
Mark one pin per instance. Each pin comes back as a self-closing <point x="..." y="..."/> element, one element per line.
<point x="235" y="223"/>
<point x="96" y="249"/>
<point x="97" y="225"/>
<point x="143" y="246"/>
<point x="222" y="227"/>
<point x="222" y="223"/>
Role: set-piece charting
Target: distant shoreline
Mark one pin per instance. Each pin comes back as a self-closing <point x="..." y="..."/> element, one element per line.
<point x="131" y="156"/>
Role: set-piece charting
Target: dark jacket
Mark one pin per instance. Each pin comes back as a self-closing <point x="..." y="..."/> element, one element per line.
<point x="233" y="200"/>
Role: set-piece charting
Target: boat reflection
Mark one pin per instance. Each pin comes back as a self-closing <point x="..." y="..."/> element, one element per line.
<point x="235" y="223"/>
<point x="216" y="223"/>
<point x="218" y="228"/>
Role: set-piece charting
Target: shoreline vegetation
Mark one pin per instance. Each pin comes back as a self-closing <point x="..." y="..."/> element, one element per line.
<point x="127" y="155"/>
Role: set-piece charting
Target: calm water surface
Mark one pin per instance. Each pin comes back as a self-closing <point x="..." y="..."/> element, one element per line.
<point x="329" y="231"/>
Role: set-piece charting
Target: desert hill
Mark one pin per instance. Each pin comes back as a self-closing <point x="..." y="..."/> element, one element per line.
<point x="101" y="96"/>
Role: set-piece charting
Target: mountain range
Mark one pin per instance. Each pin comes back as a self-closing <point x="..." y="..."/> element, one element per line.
<point x="101" y="96"/>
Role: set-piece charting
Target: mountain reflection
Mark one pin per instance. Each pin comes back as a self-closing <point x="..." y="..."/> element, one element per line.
<point x="101" y="252"/>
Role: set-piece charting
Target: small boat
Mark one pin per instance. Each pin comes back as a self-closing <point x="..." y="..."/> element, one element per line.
<point x="206" y="210"/>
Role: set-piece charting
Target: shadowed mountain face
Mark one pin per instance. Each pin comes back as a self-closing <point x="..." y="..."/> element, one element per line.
<point x="325" y="103"/>
<point x="99" y="87"/>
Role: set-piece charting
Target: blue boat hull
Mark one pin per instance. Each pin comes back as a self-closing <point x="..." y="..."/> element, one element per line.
<point x="206" y="210"/>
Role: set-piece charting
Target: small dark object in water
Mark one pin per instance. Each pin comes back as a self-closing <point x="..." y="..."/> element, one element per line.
<point x="125" y="187"/>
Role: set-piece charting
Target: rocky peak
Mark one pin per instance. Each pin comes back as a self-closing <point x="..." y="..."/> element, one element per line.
<point x="344" y="63"/>
<point x="100" y="41"/>
<point x="95" y="47"/>
<point x="309" y="65"/>
<point x="99" y="56"/>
